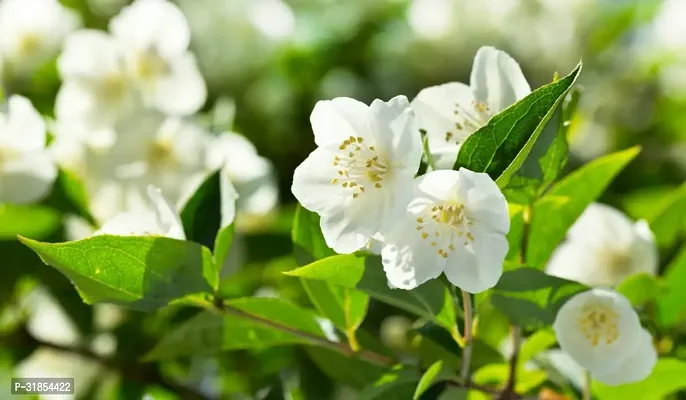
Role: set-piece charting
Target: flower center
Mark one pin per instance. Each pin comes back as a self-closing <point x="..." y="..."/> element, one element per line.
<point x="160" y="154"/>
<point x="149" y="66"/>
<point x="359" y="166"/>
<point x="617" y="262"/>
<point x="598" y="322"/>
<point x="7" y="155"/>
<point x="469" y="120"/>
<point x="29" y="44"/>
<point x="113" y="88"/>
<point x="445" y="225"/>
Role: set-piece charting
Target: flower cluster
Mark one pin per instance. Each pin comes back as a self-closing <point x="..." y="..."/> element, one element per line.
<point x="361" y="179"/>
<point x="125" y="120"/>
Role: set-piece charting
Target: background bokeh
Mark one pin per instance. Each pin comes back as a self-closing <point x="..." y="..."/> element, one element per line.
<point x="266" y="63"/>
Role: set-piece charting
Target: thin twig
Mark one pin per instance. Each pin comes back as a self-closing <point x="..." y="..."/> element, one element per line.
<point x="586" y="390"/>
<point x="342" y="348"/>
<point x="467" y="349"/>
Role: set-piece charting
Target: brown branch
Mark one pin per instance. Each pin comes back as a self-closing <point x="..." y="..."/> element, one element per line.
<point x="142" y="373"/>
<point x="467" y="349"/>
<point x="370" y="356"/>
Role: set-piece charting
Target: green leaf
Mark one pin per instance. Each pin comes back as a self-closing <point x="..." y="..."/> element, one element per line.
<point x="431" y="300"/>
<point x="534" y="344"/>
<point x="671" y="304"/>
<point x="530" y="298"/>
<point x="142" y="273"/>
<point x="345" y="307"/>
<point x="551" y="219"/>
<point x="208" y="215"/>
<point x="498" y="374"/>
<point x="640" y="289"/>
<point x="431" y="376"/>
<point x="667" y="377"/>
<point x="667" y="221"/>
<point x="207" y="333"/>
<point x="353" y="372"/>
<point x="394" y="385"/>
<point x="307" y="237"/>
<point x="503" y="144"/>
<point x="27" y="220"/>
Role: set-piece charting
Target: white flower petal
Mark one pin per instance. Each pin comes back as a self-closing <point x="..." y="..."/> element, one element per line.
<point x="335" y="120"/>
<point x="156" y="24"/>
<point x="395" y="130"/>
<point x="131" y="224"/>
<point x="483" y="200"/>
<point x="596" y="328"/>
<point x="644" y="253"/>
<point x="313" y="187"/>
<point x="182" y="91"/>
<point x="410" y="261"/>
<point x="342" y="234"/>
<point x="89" y="54"/>
<point x="440" y="185"/>
<point x="636" y="367"/>
<point x="435" y="108"/>
<point x="167" y="215"/>
<point x="24" y="128"/>
<point x="28" y="179"/>
<point x="572" y="260"/>
<point x="477" y="265"/>
<point x="497" y="79"/>
<point x="602" y="225"/>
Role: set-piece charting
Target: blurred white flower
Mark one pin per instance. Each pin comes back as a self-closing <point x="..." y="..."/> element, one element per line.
<point x="668" y="29"/>
<point x="164" y="220"/>
<point x="274" y="18"/>
<point x="48" y="320"/>
<point x="251" y="175"/>
<point x="599" y="330"/>
<point x="603" y="247"/>
<point x="96" y="91"/>
<point x="451" y="112"/>
<point x="359" y="177"/>
<point x="27" y="170"/>
<point x="456" y="223"/>
<point x="154" y="37"/>
<point x="431" y="19"/>
<point x="31" y="31"/>
<point x="169" y="153"/>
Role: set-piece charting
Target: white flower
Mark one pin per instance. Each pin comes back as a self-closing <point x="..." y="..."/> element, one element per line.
<point x="359" y="177"/>
<point x="600" y="331"/>
<point x="96" y="91"/>
<point x="603" y="247"/>
<point x="31" y="31"/>
<point x="154" y="36"/>
<point x="456" y="223"/>
<point x="449" y="113"/>
<point x="251" y="175"/>
<point x="163" y="220"/>
<point x="169" y="153"/>
<point x="27" y="171"/>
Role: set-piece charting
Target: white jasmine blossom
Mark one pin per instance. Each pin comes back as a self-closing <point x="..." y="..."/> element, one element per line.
<point x="31" y="31"/>
<point x="251" y="175"/>
<point x="27" y="170"/>
<point x="603" y="247"/>
<point x="601" y="331"/>
<point x="456" y="223"/>
<point x="154" y="36"/>
<point x="451" y="112"/>
<point x="359" y="177"/>
<point x="96" y="91"/>
<point x="163" y="220"/>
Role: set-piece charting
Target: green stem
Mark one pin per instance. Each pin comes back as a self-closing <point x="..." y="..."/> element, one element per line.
<point x="586" y="392"/>
<point x="467" y="349"/>
<point x="427" y="153"/>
